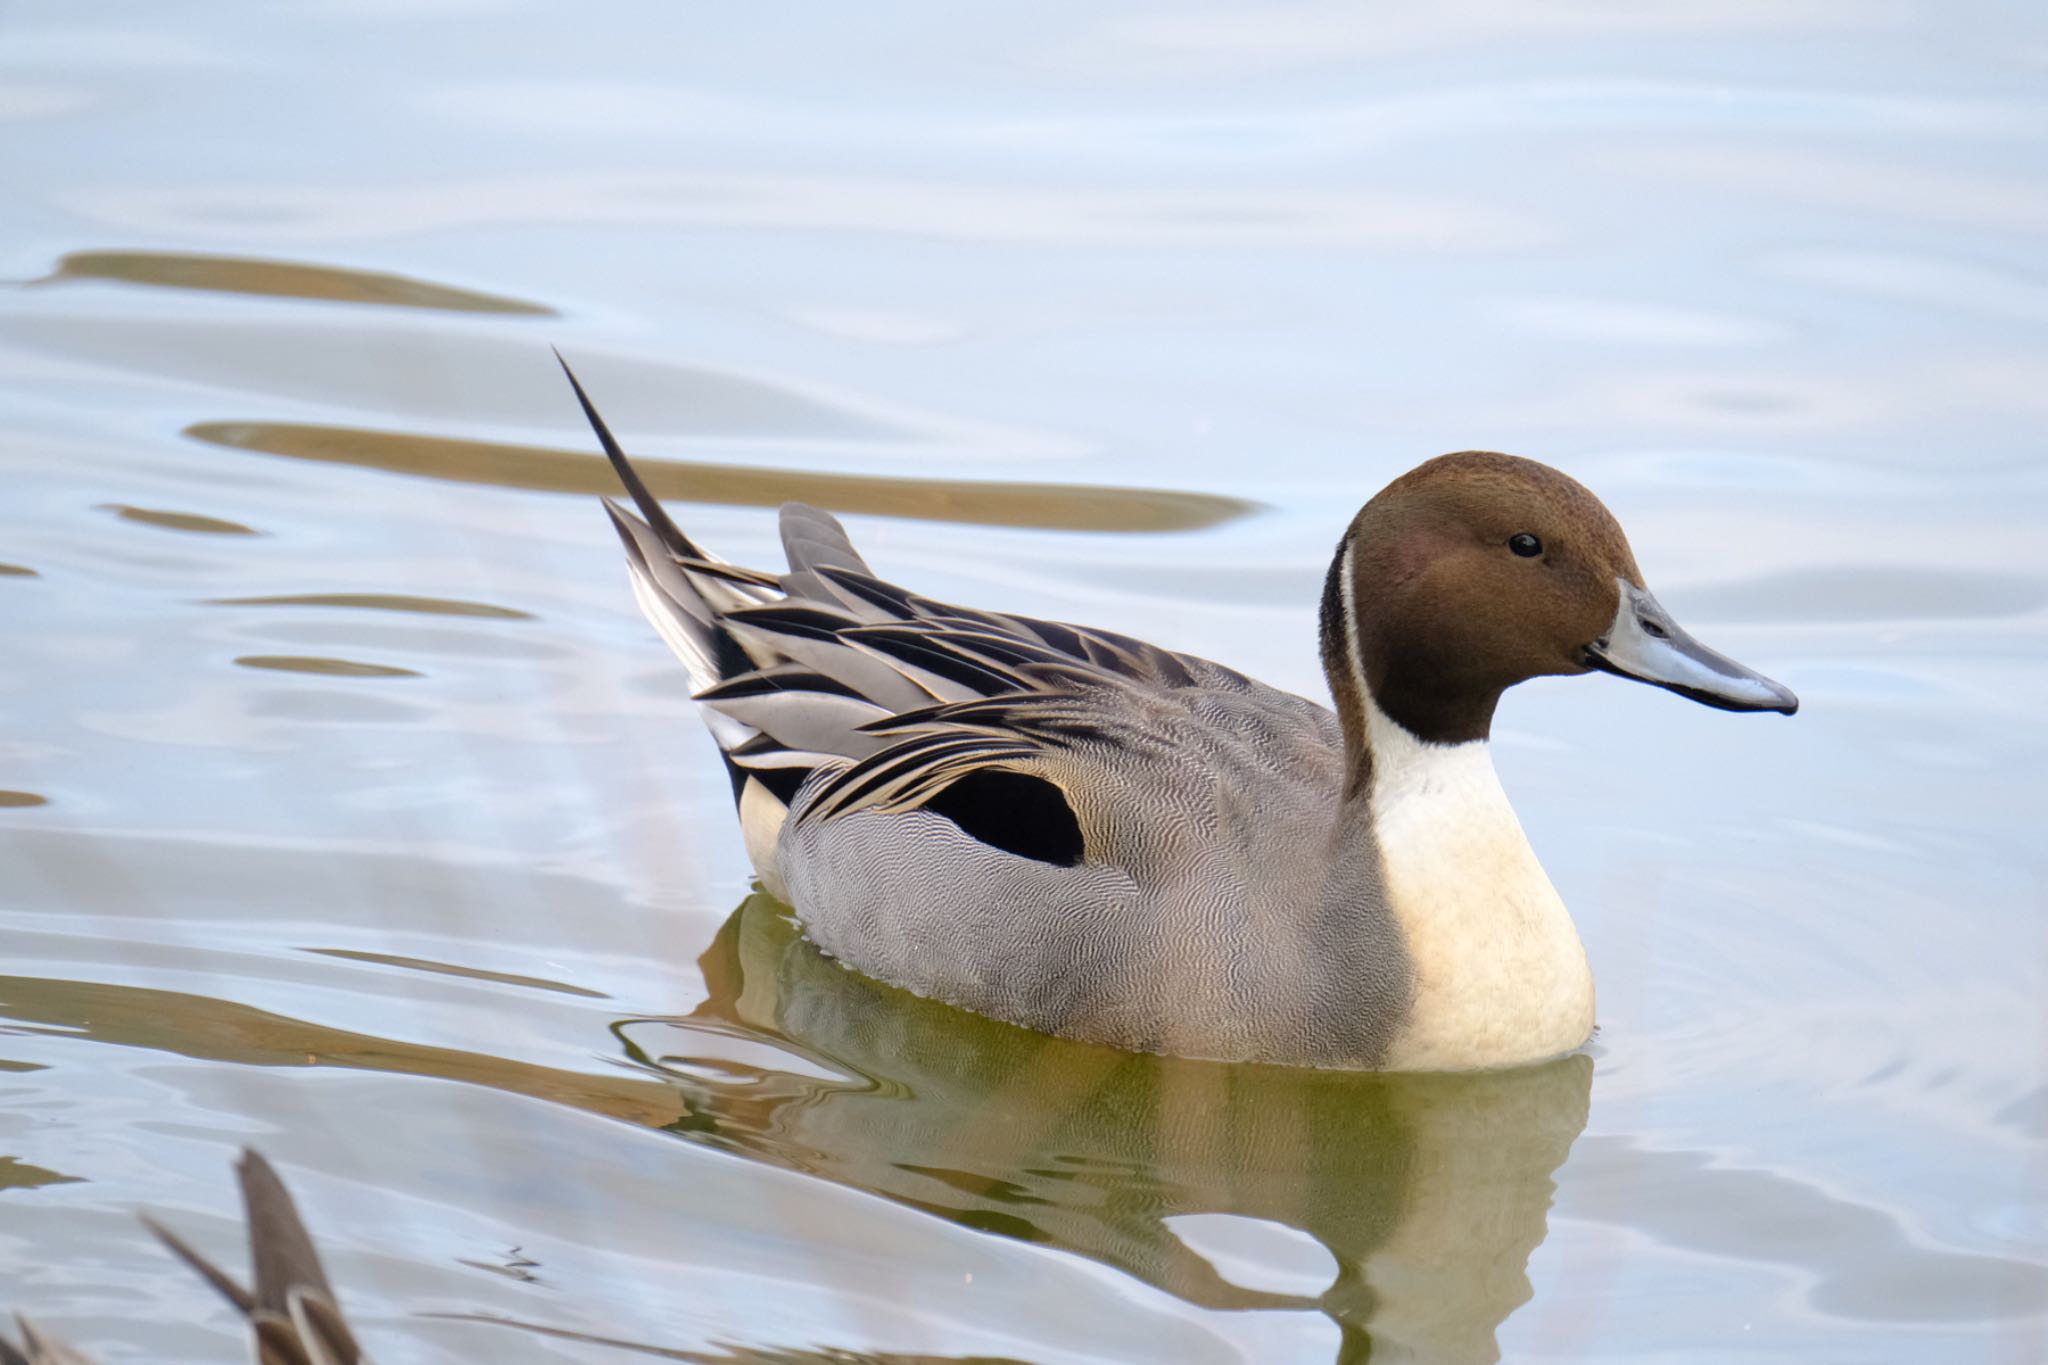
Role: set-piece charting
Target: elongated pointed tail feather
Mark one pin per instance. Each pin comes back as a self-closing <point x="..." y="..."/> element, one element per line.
<point x="670" y="534"/>
<point x="678" y="613"/>
<point x="803" y="677"/>
<point x="682" y="589"/>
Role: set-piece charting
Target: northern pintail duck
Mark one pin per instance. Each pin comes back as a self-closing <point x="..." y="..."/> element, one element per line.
<point x="1084" y="834"/>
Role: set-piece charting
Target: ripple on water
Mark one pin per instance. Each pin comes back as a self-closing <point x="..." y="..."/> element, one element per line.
<point x="1875" y="592"/>
<point x="330" y="706"/>
<point x="1951" y="282"/>
<point x="1857" y="1260"/>
<point x="2028" y="1115"/>
<point x="407" y="640"/>
<point x="505" y="379"/>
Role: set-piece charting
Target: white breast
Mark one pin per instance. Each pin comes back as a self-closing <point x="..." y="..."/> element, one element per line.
<point x="1500" y="976"/>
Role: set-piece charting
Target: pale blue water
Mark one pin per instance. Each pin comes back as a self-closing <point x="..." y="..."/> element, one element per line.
<point x="413" y="894"/>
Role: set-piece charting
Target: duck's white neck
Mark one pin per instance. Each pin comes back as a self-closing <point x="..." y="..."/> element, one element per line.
<point x="1500" y="976"/>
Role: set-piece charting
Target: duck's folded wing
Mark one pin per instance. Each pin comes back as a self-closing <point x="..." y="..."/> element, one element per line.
<point x="829" y="681"/>
<point x="1044" y="773"/>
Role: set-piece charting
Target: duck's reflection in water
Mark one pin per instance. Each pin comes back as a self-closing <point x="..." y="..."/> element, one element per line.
<point x="1429" y="1191"/>
<point x="1426" y="1193"/>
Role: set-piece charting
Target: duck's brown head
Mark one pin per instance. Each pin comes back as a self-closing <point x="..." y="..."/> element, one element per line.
<point x="1475" y="571"/>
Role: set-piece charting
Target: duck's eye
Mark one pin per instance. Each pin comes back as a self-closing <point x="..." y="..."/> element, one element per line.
<point x="1525" y="545"/>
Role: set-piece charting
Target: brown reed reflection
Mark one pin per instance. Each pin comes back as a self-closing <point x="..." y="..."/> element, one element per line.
<point x="331" y="668"/>
<point x="179" y="521"/>
<point x="281" y="279"/>
<point x="379" y="601"/>
<point x="1068" y="507"/>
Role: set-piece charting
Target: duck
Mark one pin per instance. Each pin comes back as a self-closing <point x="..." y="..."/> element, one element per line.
<point x="292" y="1314"/>
<point x="1080" y="833"/>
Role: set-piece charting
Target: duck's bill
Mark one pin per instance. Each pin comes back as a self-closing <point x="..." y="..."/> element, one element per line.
<point x="1644" y="643"/>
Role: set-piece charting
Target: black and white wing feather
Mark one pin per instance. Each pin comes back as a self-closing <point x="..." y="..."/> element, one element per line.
<point x="831" y="682"/>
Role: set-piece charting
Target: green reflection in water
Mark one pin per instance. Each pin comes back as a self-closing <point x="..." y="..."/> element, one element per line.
<point x="1070" y="507"/>
<point x="1429" y="1191"/>
<point x="282" y="279"/>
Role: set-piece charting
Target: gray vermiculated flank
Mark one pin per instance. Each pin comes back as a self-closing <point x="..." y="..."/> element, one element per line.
<point x="1229" y="903"/>
<point x="1209" y="916"/>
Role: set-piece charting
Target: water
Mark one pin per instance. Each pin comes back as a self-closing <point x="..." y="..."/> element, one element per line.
<point x="348" y="809"/>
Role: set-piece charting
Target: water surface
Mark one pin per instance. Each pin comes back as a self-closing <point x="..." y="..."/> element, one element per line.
<point x="348" y="809"/>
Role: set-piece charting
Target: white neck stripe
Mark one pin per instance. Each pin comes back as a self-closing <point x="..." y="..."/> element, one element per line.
<point x="1354" y="652"/>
